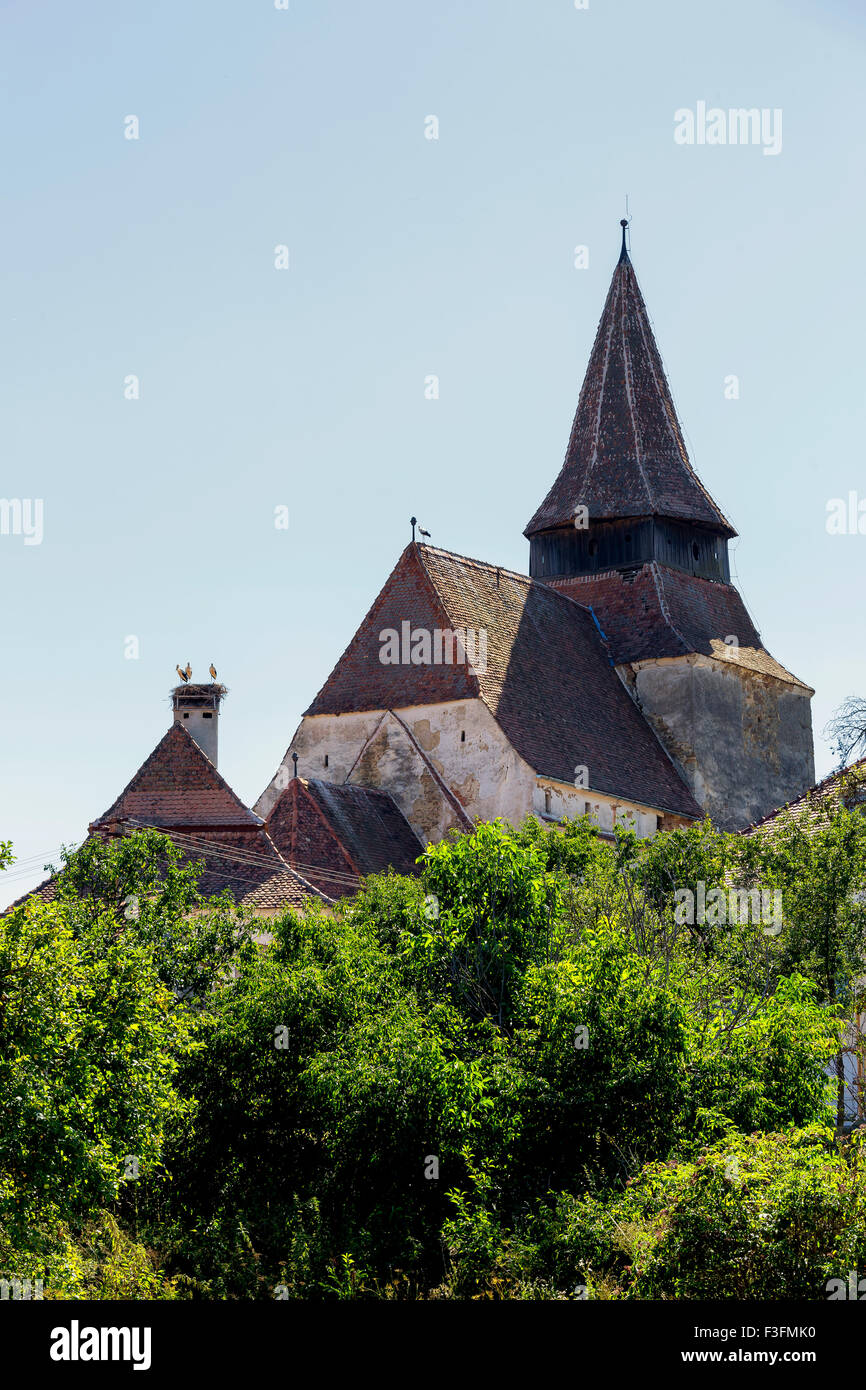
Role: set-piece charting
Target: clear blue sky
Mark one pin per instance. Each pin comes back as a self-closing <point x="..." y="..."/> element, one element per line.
<point x="409" y="257"/>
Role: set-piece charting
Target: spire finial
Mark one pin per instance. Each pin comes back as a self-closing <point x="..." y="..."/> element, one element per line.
<point x="623" y="255"/>
<point x="414" y="523"/>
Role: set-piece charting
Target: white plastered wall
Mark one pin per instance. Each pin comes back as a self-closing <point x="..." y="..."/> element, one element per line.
<point x="465" y="753"/>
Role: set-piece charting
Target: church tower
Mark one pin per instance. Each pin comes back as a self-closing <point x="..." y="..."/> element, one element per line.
<point x="629" y="530"/>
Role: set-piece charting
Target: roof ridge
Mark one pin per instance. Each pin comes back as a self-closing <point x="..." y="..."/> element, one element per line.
<point x="441" y="602"/>
<point x="314" y="801"/>
<point x="320" y="692"/>
<point x="591" y="576"/>
<point x="293" y="872"/>
<point x="352" y="786"/>
<point x="597" y="636"/>
<point x="630" y="401"/>
<point x="585" y="384"/>
<point x="666" y="613"/>
<point x="409" y="553"/>
<point x="224" y="784"/>
<point x="670" y="408"/>
<point x="479" y="564"/>
<point x="453" y="800"/>
<point x="199" y="751"/>
<point x="529" y="580"/>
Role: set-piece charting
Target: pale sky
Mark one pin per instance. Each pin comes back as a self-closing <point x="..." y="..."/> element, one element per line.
<point x="408" y="257"/>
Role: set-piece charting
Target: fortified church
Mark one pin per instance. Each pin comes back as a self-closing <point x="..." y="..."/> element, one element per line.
<point x="621" y="679"/>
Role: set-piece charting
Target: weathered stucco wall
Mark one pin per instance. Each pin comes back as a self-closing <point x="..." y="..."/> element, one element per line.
<point x="461" y="741"/>
<point x="466" y="751"/>
<point x="559" y="801"/>
<point x="472" y="755"/>
<point x="340" y="738"/>
<point x="392" y="761"/>
<point x="742" y="739"/>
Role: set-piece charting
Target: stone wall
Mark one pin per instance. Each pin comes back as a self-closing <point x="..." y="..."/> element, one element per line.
<point x="742" y="739"/>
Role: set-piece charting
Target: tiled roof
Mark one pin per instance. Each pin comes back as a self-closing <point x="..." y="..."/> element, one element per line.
<point x="245" y="864"/>
<point x="360" y="681"/>
<point x="242" y="859"/>
<point x="282" y="891"/>
<point x="179" y="785"/>
<point x="847" y="787"/>
<point x="45" y="892"/>
<point x="178" y="790"/>
<point x="626" y="456"/>
<point x="655" y="612"/>
<point x="549" y="681"/>
<point x="337" y="834"/>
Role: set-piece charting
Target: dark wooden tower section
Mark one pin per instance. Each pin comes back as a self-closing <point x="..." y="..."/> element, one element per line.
<point x="627" y="464"/>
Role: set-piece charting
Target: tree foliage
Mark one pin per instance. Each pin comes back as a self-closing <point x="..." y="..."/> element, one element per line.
<point x="517" y="1074"/>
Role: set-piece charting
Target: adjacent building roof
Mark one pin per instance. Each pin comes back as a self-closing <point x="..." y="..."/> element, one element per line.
<point x="846" y="787"/>
<point x="548" y="678"/>
<point x="626" y="455"/>
<point x="44" y="892"/>
<point x="248" y="865"/>
<point x="337" y="834"/>
<point x="243" y="860"/>
<point x="179" y="785"/>
<point x="320" y="840"/>
<point x="654" y="612"/>
<point x="178" y="790"/>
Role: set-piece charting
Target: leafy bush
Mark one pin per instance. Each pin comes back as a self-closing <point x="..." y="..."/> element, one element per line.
<point x="516" y="1076"/>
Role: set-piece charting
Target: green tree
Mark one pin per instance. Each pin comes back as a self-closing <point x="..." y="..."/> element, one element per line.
<point x="820" y="862"/>
<point x="89" y="1046"/>
<point x="322" y="1094"/>
<point x="141" y="888"/>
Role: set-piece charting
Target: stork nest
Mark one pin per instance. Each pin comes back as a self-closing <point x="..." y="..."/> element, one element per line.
<point x="200" y="690"/>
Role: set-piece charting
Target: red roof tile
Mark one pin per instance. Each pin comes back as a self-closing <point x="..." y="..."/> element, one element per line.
<point x="178" y="790"/>
<point x="337" y="834"/>
<point x="655" y="612"/>
<point x="242" y="859"/>
<point x="360" y="681"/>
<point x="179" y="785"/>
<point x="244" y="862"/>
<point x="549" y="681"/>
<point x="44" y="892"/>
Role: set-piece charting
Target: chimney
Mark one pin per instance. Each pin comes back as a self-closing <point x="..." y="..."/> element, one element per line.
<point x="197" y="708"/>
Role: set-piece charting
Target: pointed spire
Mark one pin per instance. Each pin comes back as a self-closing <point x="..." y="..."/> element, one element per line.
<point x="626" y="456"/>
<point x="623" y="255"/>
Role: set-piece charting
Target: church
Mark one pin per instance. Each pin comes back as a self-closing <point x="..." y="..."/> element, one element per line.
<point x="621" y="679"/>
